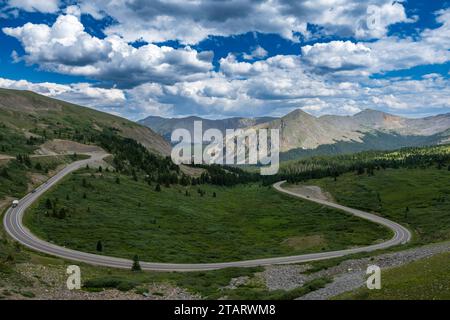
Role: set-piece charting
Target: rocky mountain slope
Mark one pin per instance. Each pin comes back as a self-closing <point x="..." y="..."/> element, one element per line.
<point x="302" y="134"/>
<point x="300" y="130"/>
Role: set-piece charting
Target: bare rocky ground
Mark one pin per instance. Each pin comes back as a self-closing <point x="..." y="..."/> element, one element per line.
<point x="49" y="283"/>
<point x="348" y="275"/>
<point x="191" y="171"/>
<point x="59" y="146"/>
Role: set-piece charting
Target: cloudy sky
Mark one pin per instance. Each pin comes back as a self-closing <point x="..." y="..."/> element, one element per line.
<point x="232" y="57"/>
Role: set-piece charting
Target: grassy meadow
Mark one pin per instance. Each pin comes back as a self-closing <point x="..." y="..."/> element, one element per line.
<point x="417" y="198"/>
<point x="189" y="224"/>
<point x="427" y="279"/>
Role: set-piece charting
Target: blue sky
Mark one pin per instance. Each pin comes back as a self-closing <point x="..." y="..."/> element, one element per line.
<point x="215" y="59"/>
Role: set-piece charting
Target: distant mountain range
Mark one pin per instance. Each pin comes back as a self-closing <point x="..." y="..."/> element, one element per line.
<point x="165" y="126"/>
<point x="302" y="134"/>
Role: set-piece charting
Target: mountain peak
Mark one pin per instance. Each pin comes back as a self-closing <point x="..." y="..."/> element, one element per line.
<point x="375" y="116"/>
<point x="369" y="111"/>
<point x="298" y="113"/>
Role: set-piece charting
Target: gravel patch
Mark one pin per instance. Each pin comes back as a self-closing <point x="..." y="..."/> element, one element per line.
<point x="237" y="282"/>
<point x="284" y="277"/>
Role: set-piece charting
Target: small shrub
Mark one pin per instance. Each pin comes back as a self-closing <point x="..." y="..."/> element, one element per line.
<point x="136" y="265"/>
<point x="111" y="282"/>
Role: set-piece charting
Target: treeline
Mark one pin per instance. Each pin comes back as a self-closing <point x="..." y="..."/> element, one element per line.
<point x="129" y="156"/>
<point x="363" y="163"/>
<point x="224" y="175"/>
<point x="132" y="158"/>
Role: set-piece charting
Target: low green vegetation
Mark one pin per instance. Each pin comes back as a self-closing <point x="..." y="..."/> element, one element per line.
<point x="13" y="142"/>
<point x="254" y="292"/>
<point x="15" y="174"/>
<point x="189" y="224"/>
<point x="15" y="180"/>
<point x="48" y="119"/>
<point x="10" y="254"/>
<point x="423" y="279"/>
<point x="418" y="198"/>
<point x="209" y="285"/>
<point x="363" y="162"/>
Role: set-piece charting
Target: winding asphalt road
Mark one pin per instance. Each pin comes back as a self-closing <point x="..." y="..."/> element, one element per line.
<point x="13" y="225"/>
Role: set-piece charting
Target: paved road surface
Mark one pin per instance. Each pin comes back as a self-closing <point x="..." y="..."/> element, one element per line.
<point x="15" y="228"/>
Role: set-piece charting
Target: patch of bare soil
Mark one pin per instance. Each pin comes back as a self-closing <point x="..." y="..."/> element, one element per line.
<point x="192" y="172"/>
<point x="37" y="179"/>
<point x="305" y="242"/>
<point x="96" y="127"/>
<point x="58" y="146"/>
<point x="310" y="191"/>
<point x="29" y="135"/>
<point x="147" y="138"/>
<point x="6" y="157"/>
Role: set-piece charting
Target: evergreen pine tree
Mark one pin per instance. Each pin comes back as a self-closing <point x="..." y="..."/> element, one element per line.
<point x="99" y="246"/>
<point x="48" y="204"/>
<point x="136" y="265"/>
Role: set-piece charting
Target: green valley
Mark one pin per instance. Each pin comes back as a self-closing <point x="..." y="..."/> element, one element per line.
<point x="195" y="224"/>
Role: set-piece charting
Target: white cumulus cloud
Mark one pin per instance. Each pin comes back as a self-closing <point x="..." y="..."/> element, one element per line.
<point x="257" y="53"/>
<point x="45" y="6"/>
<point x="193" y="21"/>
<point x="66" y="47"/>
<point x="338" y="55"/>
